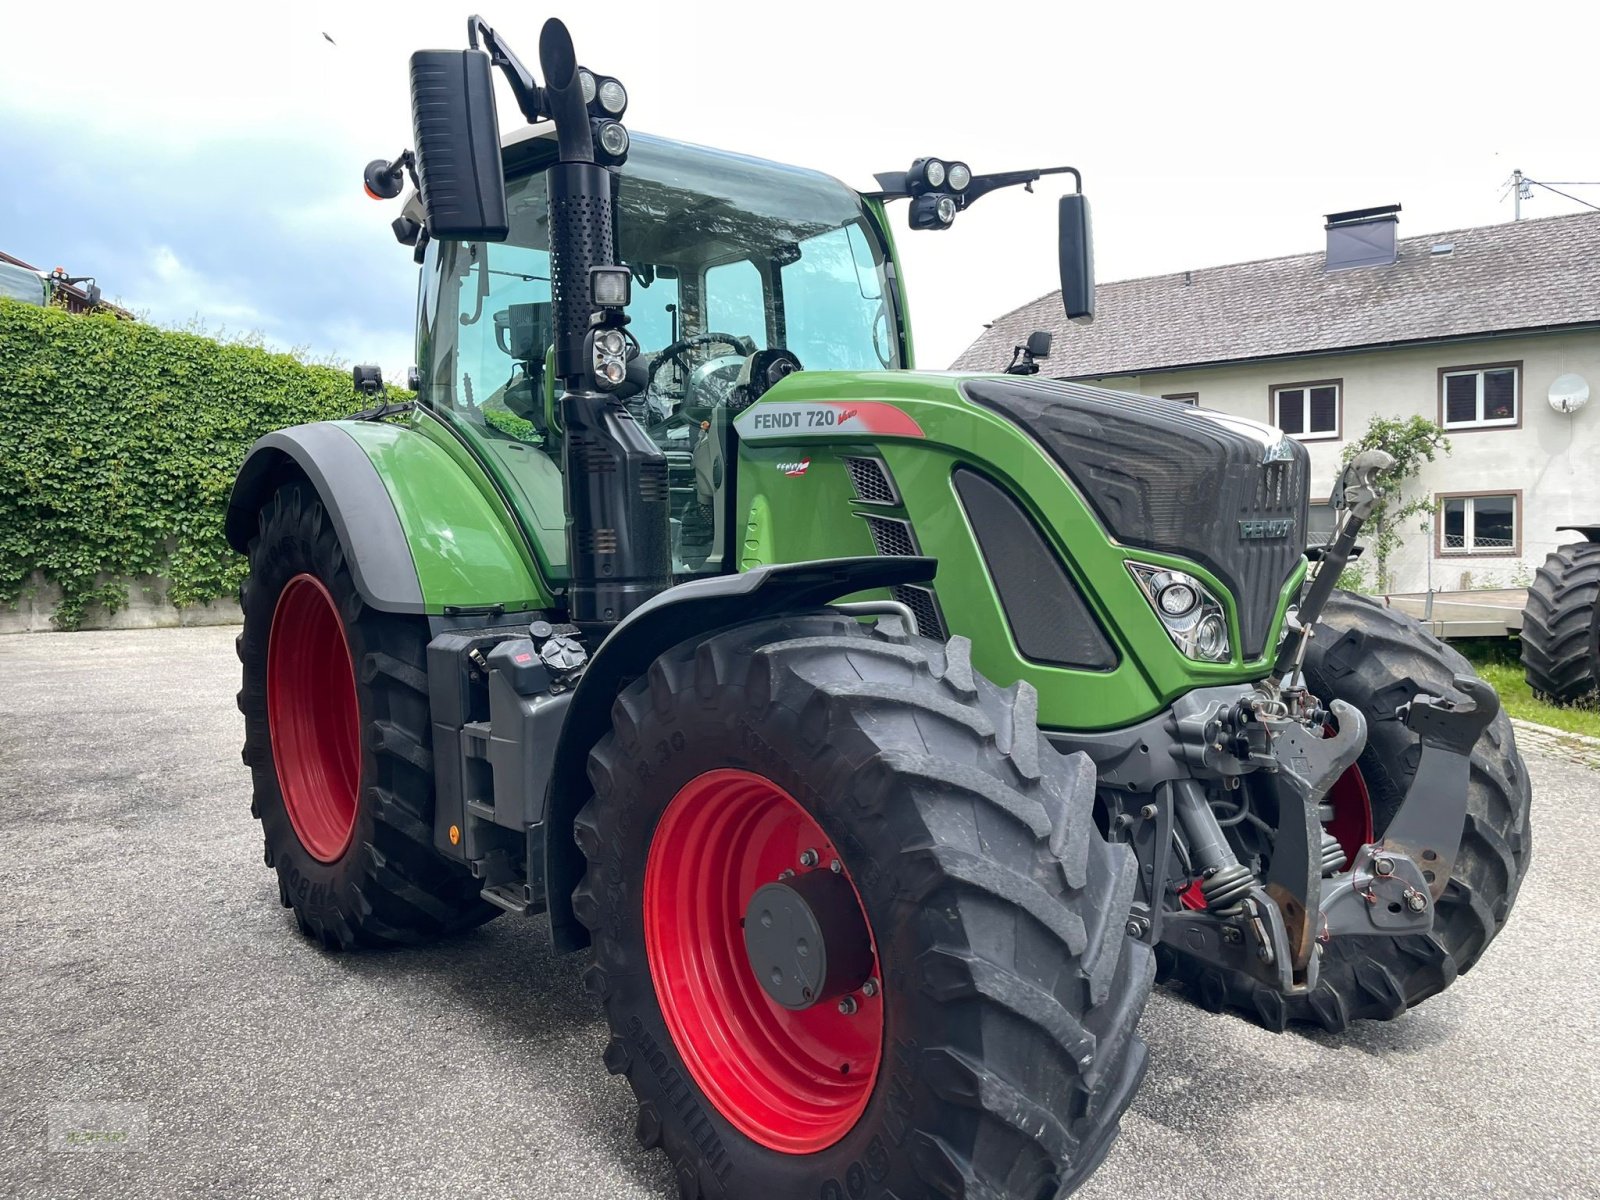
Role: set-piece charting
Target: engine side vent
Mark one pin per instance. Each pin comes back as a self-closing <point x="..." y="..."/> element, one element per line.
<point x="871" y="480"/>
<point x="894" y="539"/>
<point x="891" y="536"/>
<point x="924" y="605"/>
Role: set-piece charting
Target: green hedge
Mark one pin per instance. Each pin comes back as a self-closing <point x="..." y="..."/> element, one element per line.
<point x="118" y="447"/>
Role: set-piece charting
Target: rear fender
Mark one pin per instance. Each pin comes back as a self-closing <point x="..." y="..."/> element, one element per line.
<point x="419" y="534"/>
<point x="683" y="613"/>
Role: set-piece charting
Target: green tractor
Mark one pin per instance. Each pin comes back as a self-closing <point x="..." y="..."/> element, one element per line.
<point x="881" y="734"/>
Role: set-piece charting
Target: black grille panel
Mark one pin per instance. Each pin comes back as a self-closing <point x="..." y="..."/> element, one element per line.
<point x="892" y="537"/>
<point x="924" y="605"/>
<point x="1047" y="613"/>
<point x="871" y="481"/>
<point x="1162" y="476"/>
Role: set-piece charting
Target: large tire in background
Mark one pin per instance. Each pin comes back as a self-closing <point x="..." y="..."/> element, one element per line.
<point x="1561" y="625"/>
<point x="1376" y="659"/>
<point x="335" y="704"/>
<point x="995" y="1049"/>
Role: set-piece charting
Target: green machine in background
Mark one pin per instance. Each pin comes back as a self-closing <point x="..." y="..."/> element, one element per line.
<point x="880" y="733"/>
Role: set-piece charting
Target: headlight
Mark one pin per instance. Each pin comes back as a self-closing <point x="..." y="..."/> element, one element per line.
<point x="933" y="172"/>
<point x="1193" y="618"/>
<point x="959" y="175"/>
<point x="613" y="97"/>
<point x="586" y="82"/>
<point x="1177" y="599"/>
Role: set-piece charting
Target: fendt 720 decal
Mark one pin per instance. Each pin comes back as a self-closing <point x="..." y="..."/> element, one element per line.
<point x="784" y="420"/>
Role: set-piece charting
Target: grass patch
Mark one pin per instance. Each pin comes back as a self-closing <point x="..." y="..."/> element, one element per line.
<point x="1496" y="661"/>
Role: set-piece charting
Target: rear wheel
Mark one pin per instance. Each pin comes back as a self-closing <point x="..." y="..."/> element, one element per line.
<point x="335" y="702"/>
<point x="1377" y="659"/>
<point x="855" y="930"/>
<point x="1561" y="625"/>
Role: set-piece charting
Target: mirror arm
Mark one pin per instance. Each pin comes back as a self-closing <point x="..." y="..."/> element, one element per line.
<point x="530" y="96"/>
<point x="893" y="185"/>
<point x="982" y="185"/>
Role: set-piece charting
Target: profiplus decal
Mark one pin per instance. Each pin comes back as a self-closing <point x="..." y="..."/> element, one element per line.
<point x="785" y="420"/>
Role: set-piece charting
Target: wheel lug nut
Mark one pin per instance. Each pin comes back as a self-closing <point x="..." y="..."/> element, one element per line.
<point x="869" y="989"/>
<point x="848" y="1006"/>
<point x="808" y="858"/>
<point x="786" y="873"/>
<point x="836" y="866"/>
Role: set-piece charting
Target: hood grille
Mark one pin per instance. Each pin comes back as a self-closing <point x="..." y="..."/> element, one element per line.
<point x="1161" y="476"/>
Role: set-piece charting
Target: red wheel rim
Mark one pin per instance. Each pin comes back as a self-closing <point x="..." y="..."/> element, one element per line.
<point x="314" y="717"/>
<point x="1352" y="812"/>
<point x="795" y="1082"/>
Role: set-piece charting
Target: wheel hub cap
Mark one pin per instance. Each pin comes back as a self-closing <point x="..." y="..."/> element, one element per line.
<point x="807" y="941"/>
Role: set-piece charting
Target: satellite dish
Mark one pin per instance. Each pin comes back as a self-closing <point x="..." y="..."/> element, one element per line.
<point x="1569" y="393"/>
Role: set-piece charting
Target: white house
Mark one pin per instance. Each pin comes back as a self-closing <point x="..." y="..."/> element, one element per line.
<point x="1491" y="332"/>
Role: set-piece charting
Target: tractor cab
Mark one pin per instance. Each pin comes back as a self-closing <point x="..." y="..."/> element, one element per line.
<point x="730" y="257"/>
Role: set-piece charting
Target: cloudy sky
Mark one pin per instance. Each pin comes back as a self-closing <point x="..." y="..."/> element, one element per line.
<point x="205" y="162"/>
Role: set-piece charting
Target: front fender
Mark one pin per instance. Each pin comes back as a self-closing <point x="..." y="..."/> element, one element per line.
<point x="679" y="614"/>
<point x="420" y="535"/>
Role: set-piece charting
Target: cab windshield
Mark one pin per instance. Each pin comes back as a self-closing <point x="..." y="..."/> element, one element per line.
<point x="729" y="255"/>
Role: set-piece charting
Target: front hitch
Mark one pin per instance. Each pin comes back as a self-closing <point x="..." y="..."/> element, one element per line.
<point x="1394" y="883"/>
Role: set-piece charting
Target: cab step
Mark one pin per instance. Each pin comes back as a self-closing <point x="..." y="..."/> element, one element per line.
<point x="513" y="897"/>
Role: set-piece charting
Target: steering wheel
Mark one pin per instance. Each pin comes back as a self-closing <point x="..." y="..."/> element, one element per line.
<point x="744" y="345"/>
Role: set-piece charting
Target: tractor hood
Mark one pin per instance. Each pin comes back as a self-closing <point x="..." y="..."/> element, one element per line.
<point x="1230" y="494"/>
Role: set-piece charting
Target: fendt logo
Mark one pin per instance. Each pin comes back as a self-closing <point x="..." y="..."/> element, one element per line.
<point x="1260" y="530"/>
<point x="795" y="468"/>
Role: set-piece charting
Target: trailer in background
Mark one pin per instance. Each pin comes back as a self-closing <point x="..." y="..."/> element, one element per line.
<point x="1486" y="613"/>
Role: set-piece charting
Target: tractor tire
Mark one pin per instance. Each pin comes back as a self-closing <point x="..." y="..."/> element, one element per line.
<point x="335" y="704"/>
<point x="1561" y="626"/>
<point x="988" y="1047"/>
<point x="1376" y="659"/>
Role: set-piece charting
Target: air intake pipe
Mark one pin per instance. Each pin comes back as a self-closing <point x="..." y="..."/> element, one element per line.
<point x="619" y="548"/>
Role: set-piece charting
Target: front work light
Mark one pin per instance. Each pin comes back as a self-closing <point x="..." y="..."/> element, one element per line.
<point x="932" y="210"/>
<point x="613" y="97"/>
<point x="612" y="138"/>
<point x="610" y="287"/>
<point x="958" y="175"/>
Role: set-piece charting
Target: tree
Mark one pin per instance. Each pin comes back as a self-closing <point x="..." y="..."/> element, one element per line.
<point x="1412" y="442"/>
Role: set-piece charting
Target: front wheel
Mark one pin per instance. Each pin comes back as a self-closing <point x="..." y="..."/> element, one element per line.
<point x="855" y="930"/>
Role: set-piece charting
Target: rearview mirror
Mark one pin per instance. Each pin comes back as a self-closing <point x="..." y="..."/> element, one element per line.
<point x="1039" y="343"/>
<point x="524" y="331"/>
<point x="1077" y="259"/>
<point x="459" y="173"/>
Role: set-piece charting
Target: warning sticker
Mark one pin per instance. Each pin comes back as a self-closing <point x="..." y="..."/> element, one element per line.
<point x="785" y="420"/>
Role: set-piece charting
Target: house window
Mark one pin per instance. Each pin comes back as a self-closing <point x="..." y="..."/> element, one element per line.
<point x="1486" y="524"/>
<point x="1321" y="522"/>
<point x="1308" y="411"/>
<point x="1192" y="399"/>
<point x="1480" y="397"/>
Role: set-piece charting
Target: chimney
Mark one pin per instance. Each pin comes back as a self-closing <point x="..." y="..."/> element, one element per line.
<point x="1362" y="237"/>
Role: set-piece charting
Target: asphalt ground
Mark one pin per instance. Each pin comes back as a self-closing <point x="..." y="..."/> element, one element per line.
<point x="144" y="959"/>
